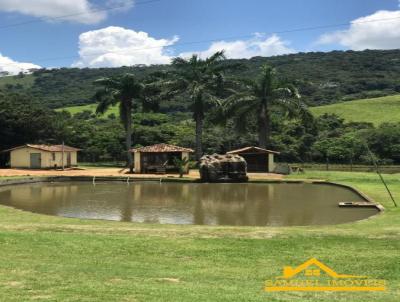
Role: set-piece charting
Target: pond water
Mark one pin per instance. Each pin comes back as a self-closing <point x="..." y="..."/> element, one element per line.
<point x="248" y="204"/>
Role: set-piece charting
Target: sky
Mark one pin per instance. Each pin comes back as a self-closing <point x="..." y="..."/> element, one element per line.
<point x="112" y="33"/>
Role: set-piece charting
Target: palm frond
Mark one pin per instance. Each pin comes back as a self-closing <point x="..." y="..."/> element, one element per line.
<point x="283" y="93"/>
<point x="179" y="61"/>
<point x="294" y="91"/>
<point x="107" y="82"/>
<point x="239" y="98"/>
<point x="211" y="100"/>
<point x="104" y="100"/>
<point x="218" y="56"/>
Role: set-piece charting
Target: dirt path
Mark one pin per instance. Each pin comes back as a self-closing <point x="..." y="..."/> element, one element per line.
<point x="111" y="172"/>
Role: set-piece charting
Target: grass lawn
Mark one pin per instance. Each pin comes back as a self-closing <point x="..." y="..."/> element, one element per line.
<point x="88" y="165"/>
<point x="376" y="110"/>
<point x="44" y="258"/>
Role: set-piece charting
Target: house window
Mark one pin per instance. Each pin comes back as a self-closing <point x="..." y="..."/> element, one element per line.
<point x="53" y="155"/>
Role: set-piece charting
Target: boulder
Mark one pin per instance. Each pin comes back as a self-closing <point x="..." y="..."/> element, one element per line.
<point x="223" y="168"/>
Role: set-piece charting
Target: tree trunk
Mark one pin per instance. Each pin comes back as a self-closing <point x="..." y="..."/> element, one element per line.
<point x="263" y="127"/>
<point x="199" y="135"/>
<point x="128" y="138"/>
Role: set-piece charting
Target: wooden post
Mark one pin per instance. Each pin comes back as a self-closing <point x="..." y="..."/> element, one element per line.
<point x="271" y="163"/>
<point x="185" y="155"/>
<point x="137" y="159"/>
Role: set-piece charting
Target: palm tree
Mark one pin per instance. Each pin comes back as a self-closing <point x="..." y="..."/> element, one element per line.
<point x="257" y="98"/>
<point x="202" y="81"/>
<point x="124" y="91"/>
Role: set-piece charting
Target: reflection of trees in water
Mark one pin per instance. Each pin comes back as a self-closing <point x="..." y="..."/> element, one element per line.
<point x="126" y="203"/>
<point x="199" y="215"/>
<point x="159" y="194"/>
<point x="231" y="204"/>
<point x="39" y="198"/>
<point x="148" y="195"/>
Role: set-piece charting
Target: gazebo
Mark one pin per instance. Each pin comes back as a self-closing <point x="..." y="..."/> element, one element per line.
<point x="159" y="158"/>
<point x="257" y="159"/>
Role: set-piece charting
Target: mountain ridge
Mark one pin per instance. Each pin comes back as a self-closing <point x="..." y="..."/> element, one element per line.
<point x="322" y="77"/>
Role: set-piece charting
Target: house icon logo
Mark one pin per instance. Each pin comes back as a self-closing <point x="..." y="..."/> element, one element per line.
<point x="313" y="275"/>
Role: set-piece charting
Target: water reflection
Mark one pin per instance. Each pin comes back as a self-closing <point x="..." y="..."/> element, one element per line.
<point x="213" y="204"/>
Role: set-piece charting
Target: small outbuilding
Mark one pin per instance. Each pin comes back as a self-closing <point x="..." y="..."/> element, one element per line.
<point x="43" y="156"/>
<point x="159" y="158"/>
<point x="257" y="159"/>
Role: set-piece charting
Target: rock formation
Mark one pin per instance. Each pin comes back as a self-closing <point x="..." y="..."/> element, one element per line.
<point x="223" y="168"/>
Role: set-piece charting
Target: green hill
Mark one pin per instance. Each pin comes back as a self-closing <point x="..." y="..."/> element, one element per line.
<point x="376" y="110"/>
<point x="90" y="107"/>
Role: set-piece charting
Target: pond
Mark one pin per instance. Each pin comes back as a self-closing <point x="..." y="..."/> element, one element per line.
<point x="247" y="204"/>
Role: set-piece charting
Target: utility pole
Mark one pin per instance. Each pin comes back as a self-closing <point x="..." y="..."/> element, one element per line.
<point x="62" y="155"/>
<point x="379" y="173"/>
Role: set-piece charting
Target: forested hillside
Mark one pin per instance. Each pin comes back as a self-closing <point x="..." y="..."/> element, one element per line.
<point x="322" y="78"/>
<point x="339" y="131"/>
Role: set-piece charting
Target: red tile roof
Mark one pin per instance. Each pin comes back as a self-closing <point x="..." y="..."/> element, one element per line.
<point x="252" y="149"/>
<point x="48" y="148"/>
<point x="161" y="148"/>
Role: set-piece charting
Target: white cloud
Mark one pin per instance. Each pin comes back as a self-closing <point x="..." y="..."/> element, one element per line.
<point x="117" y="46"/>
<point x="377" y="31"/>
<point x="259" y="45"/>
<point x="13" y="67"/>
<point x="81" y="11"/>
<point x="120" y="5"/>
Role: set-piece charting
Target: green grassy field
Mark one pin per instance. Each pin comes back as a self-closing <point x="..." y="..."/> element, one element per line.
<point x="91" y="108"/>
<point x="376" y="110"/>
<point x="347" y="168"/>
<point x="45" y="258"/>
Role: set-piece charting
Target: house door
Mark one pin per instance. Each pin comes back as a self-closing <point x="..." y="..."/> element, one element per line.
<point x="36" y="160"/>
<point x="69" y="159"/>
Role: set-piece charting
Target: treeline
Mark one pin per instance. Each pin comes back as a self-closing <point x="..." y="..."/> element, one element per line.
<point x="327" y="138"/>
<point x="321" y="78"/>
<point x="212" y="105"/>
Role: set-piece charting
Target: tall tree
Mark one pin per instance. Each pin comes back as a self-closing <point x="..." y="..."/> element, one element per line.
<point x="257" y="97"/>
<point x="201" y="80"/>
<point x="24" y="120"/>
<point x="123" y="91"/>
